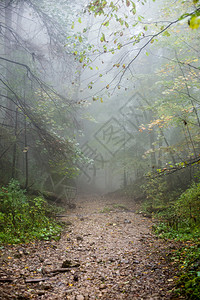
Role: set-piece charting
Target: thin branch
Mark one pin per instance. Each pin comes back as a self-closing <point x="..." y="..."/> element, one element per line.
<point x="166" y="171"/>
<point x="41" y="83"/>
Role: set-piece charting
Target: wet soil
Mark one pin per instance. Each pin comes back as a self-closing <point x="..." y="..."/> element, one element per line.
<point x="107" y="251"/>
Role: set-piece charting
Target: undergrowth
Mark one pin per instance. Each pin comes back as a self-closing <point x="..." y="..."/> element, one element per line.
<point x="23" y="218"/>
<point x="188" y="283"/>
<point x="178" y="218"/>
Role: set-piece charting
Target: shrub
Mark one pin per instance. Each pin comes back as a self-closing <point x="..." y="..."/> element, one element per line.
<point x="22" y="219"/>
<point x="181" y="221"/>
<point x="156" y="192"/>
<point x="188" y="206"/>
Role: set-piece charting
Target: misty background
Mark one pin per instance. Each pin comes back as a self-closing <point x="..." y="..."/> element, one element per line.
<point x="98" y="94"/>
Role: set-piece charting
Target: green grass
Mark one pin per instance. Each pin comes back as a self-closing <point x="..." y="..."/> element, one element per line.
<point x="120" y="206"/>
<point x="106" y="209"/>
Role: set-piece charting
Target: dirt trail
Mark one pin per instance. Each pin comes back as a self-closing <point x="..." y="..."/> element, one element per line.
<point x="108" y="252"/>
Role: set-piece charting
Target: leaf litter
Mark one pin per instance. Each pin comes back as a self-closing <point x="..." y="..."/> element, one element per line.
<point x="102" y="254"/>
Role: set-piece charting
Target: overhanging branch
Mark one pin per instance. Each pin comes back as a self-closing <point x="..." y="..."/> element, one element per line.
<point x="180" y="166"/>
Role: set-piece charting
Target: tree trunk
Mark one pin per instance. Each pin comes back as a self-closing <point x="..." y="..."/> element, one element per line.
<point x="15" y="146"/>
<point x="26" y="153"/>
<point x="153" y="155"/>
<point x="9" y="115"/>
<point x="160" y="154"/>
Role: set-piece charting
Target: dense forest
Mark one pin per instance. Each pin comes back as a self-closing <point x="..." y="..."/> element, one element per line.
<point x="101" y="98"/>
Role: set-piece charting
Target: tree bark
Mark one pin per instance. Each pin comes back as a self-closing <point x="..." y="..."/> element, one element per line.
<point x="9" y="115"/>
<point x="26" y="153"/>
<point x="15" y="146"/>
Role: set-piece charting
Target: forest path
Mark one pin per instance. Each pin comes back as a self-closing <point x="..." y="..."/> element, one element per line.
<point x="106" y="252"/>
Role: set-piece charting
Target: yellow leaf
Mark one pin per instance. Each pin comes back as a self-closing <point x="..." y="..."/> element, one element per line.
<point x="194" y="22"/>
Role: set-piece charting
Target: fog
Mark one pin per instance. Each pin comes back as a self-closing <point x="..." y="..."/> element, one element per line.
<point x="97" y="94"/>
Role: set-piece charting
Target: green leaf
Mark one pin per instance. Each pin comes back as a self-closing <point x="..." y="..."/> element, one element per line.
<point x="119" y="46"/>
<point x="121" y="21"/>
<point x="106" y="23"/>
<point x="80" y="39"/>
<point x="79" y="20"/>
<point x="127" y="25"/>
<point x="184" y="16"/>
<point x="166" y="33"/>
<point x="133" y="4"/>
<point x="133" y="10"/>
<point x="102" y="39"/>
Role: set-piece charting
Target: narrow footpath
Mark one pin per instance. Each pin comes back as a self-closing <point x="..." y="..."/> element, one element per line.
<point x="107" y="251"/>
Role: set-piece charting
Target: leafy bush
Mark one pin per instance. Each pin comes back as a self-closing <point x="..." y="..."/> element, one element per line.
<point x="188" y="284"/>
<point x="156" y="193"/>
<point x="180" y="221"/>
<point x="182" y="218"/>
<point x="188" y="206"/>
<point x="22" y="219"/>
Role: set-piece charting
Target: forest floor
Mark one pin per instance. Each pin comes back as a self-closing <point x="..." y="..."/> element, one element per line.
<point x="106" y="251"/>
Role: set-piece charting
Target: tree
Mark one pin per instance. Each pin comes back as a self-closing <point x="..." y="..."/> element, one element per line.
<point x="31" y="98"/>
<point x="132" y="55"/>
<point x="119" y="49"/>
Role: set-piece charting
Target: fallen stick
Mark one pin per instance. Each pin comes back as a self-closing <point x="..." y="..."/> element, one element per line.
<point x="60" y="270"/>
<point x="33" y="280"/>
<point x="6" y="279"/>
